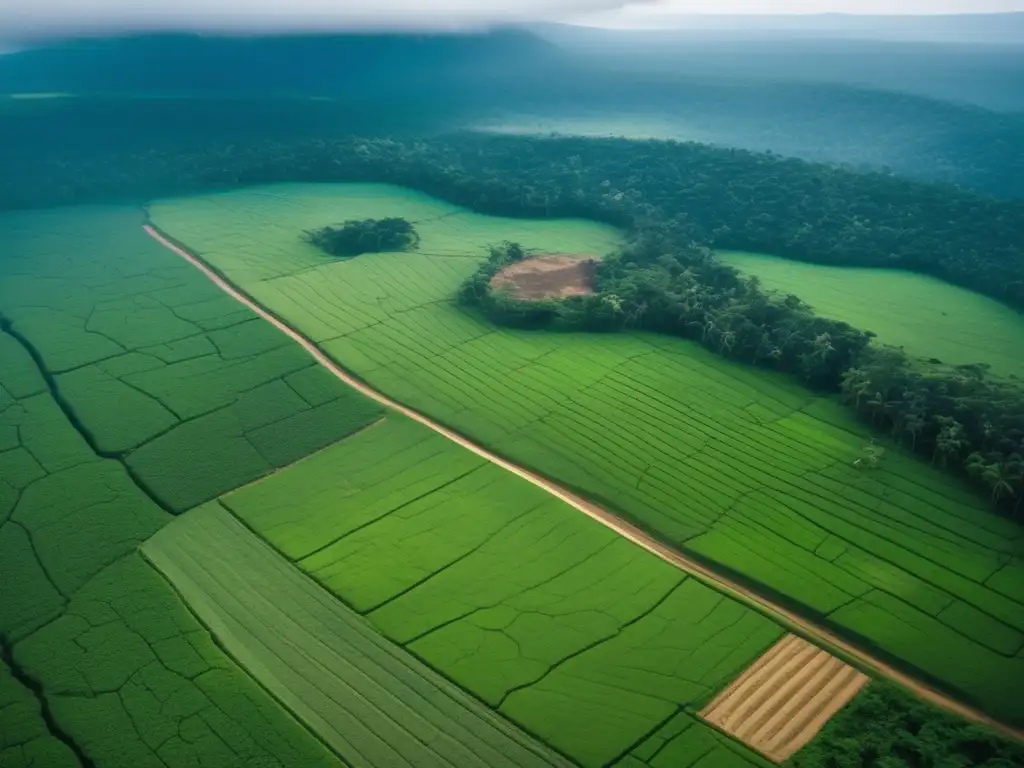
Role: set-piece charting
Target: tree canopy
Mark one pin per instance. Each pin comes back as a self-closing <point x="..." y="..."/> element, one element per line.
<point x="365" y="236"/>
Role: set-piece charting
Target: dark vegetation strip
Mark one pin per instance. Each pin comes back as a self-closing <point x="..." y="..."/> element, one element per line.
<point x="6" y="326"/>
<point x="33" y="685"/>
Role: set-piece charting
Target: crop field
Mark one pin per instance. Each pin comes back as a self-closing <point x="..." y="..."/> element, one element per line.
<point x="372" y="701"/>
<point x="193" y="392"/>
<point x="743" y="468"/>
<point x="583" y="638"/>
<point x="24" y="738"/>
<point x="926" y="316"/>
<point x="785" y="697"/>
<point x="126" y="671"/>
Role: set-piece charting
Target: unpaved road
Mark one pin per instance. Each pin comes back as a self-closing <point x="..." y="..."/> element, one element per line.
<point x="802" y="625"/>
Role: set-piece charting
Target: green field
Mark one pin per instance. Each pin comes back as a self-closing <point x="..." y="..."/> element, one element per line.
<point x="736" y="465"/>
<point x="559" y="623"/>
<point x="24" y="738"/>
<point x="127" y="671"/>
<point x="926" y="316"/>
<point x="372" y="702"/>
<point x="193" y="392"/>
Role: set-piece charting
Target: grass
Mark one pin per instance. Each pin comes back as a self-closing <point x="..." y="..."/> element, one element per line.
<point x="558" y="623"/>
<point x="370" y="700"/>
<point x="741" y="467"/>
<point x="924" y="315"/>
<point x="163" y="371"/>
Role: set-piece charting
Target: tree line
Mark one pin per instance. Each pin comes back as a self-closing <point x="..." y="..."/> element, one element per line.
<point x="678" y="202"/>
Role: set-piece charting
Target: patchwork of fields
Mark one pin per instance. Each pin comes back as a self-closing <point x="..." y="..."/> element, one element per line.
<point x="740" y="467"/>
<point x="127" y="672"/>
<point x="375" y="704"/>
<point x="580" y="636"/>
<point x="924" y="315"/>
<point x="567" y="623"/>
<point x="191" y="391"/>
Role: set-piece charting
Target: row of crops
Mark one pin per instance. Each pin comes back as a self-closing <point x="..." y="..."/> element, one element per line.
<point x="754" y="474"/>
<point x="571" y="631"/>
<point x="102" y="662"/>
<point x="371" y="701"/>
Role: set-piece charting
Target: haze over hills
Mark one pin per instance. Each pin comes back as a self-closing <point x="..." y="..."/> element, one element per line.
<point x="292" y="65"/>
<point x="975" y="60"/>
<point x="853" y="102"/>
<point x="988" y="28"/>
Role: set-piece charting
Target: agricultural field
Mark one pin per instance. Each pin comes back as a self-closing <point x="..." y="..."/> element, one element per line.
<point x="581" y="637"/>
<point x="24" y="738"/>
<point x="737" y="466"/>
<point x="128" y="675"/>
<point x="926" y="316"/>
<point x="783" y="699"/>
<point x="366" y="697"/>
<point x="190" y="390"/>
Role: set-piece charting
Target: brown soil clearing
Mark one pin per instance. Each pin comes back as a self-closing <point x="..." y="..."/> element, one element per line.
<point x="554" y="276"/>
<point x="785" y="697"/>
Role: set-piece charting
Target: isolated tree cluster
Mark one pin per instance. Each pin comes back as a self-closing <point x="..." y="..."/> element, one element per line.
<point x="356" y="237"/>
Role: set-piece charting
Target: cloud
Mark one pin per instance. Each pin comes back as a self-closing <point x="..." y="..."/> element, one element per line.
<point x="20" y="19"/>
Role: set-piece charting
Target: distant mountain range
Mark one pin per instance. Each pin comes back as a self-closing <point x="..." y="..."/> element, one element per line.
<point x="349" y="64"/>
<point x="998" y="28"/>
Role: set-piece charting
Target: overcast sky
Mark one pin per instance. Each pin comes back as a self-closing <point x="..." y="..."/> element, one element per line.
<point x="19" y="18"/>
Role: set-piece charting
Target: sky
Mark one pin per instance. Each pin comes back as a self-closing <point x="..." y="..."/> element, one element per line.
<point x="31" y="18"/>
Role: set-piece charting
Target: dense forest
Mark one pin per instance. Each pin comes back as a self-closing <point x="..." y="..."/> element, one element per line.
<point x="678" y="202"/>
<point x="886" y="727"/>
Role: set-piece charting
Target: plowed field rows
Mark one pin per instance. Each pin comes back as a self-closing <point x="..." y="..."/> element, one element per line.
<point x="785" y="697"/>
<point x="565" y="627"/>
<point x="743" y="468"/>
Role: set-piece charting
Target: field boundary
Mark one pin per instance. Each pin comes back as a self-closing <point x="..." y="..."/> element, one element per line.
<point x="796" y="623"/>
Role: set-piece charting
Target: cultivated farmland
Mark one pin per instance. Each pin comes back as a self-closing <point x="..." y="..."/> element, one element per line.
<point x="924" y="315"/>
<point x="126" y="671"/>
<point x="740" y="467"/>
<point x="194" y="393"/>
<point x="580" y="636"/>
<point x="24" y="738"/>
<point x="785" y="697"/>
<point x="367" y="698"/>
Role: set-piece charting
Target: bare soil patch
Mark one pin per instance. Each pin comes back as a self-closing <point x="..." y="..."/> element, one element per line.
<point x="553" y="276"/>
<point x="785" y="697"/>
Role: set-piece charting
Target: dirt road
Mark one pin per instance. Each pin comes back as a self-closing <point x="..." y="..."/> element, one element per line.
<point x="799" y="624"/>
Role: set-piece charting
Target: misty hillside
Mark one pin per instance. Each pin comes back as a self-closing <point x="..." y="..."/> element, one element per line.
<point x="285" y="65"/>
<point x="988" y="28"/>
<point x="969" y="69"/>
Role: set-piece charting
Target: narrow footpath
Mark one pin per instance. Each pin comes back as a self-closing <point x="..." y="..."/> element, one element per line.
<point x="797" y="623"/>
